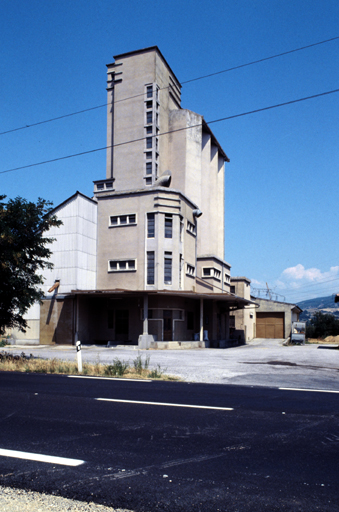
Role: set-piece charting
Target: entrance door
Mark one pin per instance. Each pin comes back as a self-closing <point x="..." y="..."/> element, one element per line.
<point x="167" y="316"/>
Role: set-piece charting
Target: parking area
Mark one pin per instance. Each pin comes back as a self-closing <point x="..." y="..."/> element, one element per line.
<point x="262" y="362"/>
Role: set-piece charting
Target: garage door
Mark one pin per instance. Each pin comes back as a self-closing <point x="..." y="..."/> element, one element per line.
<point x="270" y="325"/>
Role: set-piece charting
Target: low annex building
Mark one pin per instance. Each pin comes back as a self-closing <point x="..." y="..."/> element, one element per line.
<point x="142" y="261"/>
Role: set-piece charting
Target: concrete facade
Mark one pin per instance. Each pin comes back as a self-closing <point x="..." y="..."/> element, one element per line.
<point x="143" y="260"/>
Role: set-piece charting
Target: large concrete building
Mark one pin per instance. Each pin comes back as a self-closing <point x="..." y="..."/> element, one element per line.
<point x="143" y="262"/>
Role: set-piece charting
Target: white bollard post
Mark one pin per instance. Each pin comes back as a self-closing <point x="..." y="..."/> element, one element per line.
<point x="79" y="356"/>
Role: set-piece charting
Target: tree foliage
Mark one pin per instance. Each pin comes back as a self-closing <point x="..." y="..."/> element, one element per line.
<point x="322" y="325"/>
<point x="24" y="251"/>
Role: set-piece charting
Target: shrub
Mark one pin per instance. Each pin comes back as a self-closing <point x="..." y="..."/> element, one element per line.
<point x="117" y="368"/>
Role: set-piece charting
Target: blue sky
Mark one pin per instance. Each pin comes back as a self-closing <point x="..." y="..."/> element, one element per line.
<point x="282" y="180"/>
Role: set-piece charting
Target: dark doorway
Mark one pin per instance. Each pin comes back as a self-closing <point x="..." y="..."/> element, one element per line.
<point x="121" y="324"/>
<point x="168" y="324"/>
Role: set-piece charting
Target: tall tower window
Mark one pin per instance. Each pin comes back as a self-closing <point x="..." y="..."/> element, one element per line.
<point x="150" y="267"/>
<point x="168" y="268"/>
<point x="150" y="225"/>
<point x="168" y="225"/>
<point x="151" y="151"/>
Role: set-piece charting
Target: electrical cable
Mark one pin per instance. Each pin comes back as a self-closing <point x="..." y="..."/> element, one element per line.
<point x="184" y="82"/>
<point x="173" y="131"/>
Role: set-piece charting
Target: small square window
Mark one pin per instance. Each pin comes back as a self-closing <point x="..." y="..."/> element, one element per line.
<point x="149" y="129"/>
<point x="100" y="186"/>
<point x="149" y="155"/>
<point x="109" y="184"/>
<point x="123" y="219"/>
<point x="148" y="181"/>
<point x="131" y="264"/>
<point x="149" y="104"/>
<point x="113" y="265"/>
<point x="132" y="218"/>
<point x="122" y="265"/>
<point x="114" y="221"/>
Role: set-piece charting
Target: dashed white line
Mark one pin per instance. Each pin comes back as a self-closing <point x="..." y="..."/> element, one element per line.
<point x="165" y="404"/>
<point x="41" y="458"/>
<point x="314" y="390"/>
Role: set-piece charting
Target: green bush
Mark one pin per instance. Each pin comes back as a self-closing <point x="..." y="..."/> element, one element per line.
<point x="117" y="368"/>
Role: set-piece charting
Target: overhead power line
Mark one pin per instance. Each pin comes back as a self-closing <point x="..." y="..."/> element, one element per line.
<point x="173" y="131"/>
<point x="185" y="82"/>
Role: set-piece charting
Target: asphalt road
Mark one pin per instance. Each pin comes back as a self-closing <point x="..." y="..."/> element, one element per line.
<point x="242" y="449"/>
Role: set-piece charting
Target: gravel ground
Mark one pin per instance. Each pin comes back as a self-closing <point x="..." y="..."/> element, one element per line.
<point x="17" y="500"/>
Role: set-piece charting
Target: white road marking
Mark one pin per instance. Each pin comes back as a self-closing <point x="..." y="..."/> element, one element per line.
<point x="106" y="378"/>
<point x="314" y="390"/>
<point x="165" y="404"/>
<point x="41" y="458"/>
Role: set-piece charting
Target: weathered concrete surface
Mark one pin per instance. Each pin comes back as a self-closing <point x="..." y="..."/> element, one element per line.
<point x="259" y="363"/>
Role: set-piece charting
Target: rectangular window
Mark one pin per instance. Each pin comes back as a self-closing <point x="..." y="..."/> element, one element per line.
<point x="148" y="181"/>
<point x="190" y="270"/>
<point x="149" y="90"/>
<point x="148" y="142"/>
<point x="232" y="289"/>
<point x="149" y="104"/>
<point x="148" y="167"/>
<point x="206" y="272"/>
<point x="150" y="225"/>
<point x="168" y="268"/>
<point x="149" y="129"/>
<point x="150" y="267"/>
<point x="123" y="220"/>
<point x="121" y="265"/>
<point x="149" y="117"/>
<point x="149" y="155"/>
<point x="168" y="225"/>
<point x="191" y="228"/>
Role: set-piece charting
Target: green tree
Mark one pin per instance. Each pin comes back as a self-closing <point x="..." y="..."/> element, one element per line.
<point x="322" y="325"/>
<point x="24" y="250"/>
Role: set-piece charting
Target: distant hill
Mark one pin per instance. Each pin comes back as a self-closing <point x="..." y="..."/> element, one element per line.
<point x="323" y="304"/>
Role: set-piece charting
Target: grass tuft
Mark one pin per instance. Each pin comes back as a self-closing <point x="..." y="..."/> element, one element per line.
<point x="30" y="364"/>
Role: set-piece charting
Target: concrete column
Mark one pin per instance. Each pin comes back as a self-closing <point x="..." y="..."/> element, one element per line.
<point x="201" y="319"/>
<point x="145" y="322"/>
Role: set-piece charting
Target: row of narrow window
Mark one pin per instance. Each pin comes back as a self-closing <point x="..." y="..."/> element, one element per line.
<point x="151" y="267"/>
<point x="151" y="225"/>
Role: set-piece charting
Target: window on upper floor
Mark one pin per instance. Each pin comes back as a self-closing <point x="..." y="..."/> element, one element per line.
<point x="149" y="91"/>
<point x="148" y="167"/>
<point x="232" y="289"/>
<point x="168" y="268"/>
<point x="168" y="225"/>
<point x="211" y="272"/>
<point x="191" y="228"/>
<point x="190" y="270"/>
<point x="150" y="267"/>
<point x="149" y="117"/>
<point x="148" y="142"/>
<point x="121" y="265"/>
<point x="150" y="225"/>
<point x="122" y="220"/>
